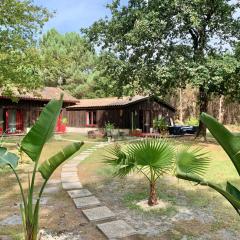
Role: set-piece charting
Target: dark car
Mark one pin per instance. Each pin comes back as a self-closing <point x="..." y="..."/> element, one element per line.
<point x="182" y="130"/>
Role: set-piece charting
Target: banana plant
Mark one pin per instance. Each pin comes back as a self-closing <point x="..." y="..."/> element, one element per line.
<point x="32" y="144"/>
<point x="189" y="168"/>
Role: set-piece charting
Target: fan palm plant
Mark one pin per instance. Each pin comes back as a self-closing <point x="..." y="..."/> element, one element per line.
<point x="188" y="168"/>
<point x="32" y="144"/>
<point x="152" y="158"/>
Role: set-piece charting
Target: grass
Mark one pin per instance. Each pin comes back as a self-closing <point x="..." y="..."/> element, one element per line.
<point x="135" y="188"/>
<point x="81" y="137"/>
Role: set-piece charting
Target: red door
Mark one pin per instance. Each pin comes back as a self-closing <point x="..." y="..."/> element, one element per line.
<point x="14" y="121"/>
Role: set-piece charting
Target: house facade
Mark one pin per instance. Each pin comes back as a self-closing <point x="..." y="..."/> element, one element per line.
<point x="22" y="112"/>
<point x="125" y="113"/>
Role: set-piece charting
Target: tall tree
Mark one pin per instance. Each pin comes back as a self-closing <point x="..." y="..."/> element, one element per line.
<point x="70" y="62"/>
<point x="162" y="43"/>
<point x="20" y="22"/>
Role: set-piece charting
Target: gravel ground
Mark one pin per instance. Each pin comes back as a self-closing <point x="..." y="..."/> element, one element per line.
<point x="47" y="235"/>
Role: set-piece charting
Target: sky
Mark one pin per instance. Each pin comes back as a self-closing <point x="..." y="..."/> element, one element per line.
<point x="72" y="15"/>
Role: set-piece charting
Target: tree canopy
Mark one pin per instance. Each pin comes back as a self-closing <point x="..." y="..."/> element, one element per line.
<point x="20" y="22"/>
<point x="160" y="45"/>
<point x="70" y="62"/>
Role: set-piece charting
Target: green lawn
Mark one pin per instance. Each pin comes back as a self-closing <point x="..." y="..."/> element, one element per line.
<point x="134" y="188"/>
<point x="124" y="193"/>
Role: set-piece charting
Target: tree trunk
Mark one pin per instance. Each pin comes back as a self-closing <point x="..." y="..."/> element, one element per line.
<point x="180" y="106"/>
<point x="220" y="112"/>
<point x="203" y="106"/>
<point x="152" y="200"/>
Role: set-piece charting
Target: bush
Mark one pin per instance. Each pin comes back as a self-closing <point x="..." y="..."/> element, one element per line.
<point x="160" y="124"/>
<point x="108" y="127"/>
<point x="192" y="121"/>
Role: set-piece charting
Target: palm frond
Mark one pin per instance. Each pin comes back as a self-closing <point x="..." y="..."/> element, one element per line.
<point x="120" y="161"/>
<point x="155" y="153"/>
<point x="192" y="161"/>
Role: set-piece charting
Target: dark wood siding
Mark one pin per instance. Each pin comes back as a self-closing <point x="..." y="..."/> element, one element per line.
<point x="31" y="109"/>
<point x="120" y="116"/>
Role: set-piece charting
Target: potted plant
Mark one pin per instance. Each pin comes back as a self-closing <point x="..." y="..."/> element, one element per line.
<point x="160" y="125"/>
<point x="108" y="130"/>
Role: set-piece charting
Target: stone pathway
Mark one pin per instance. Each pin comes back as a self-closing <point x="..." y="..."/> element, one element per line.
<point x="90" y="205"/>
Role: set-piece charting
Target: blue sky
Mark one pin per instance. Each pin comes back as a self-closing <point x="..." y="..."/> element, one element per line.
<point x="72" y="15"/>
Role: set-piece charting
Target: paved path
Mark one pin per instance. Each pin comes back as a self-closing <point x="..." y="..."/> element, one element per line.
<point x="92" y="208"/>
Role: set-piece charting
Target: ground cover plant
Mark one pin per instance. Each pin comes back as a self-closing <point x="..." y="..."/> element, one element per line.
<point x="32" y="145"/>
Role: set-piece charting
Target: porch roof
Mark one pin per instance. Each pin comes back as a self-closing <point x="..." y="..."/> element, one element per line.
<point x="114" y="102"/>
<point x="44" y="94"/>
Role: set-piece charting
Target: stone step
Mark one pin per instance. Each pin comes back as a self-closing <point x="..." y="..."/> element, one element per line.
<point x="11" y="220"/>
<point x="116" y="229"/>
<point x="71" y="185"/>
<point x="79" y="193"/>
<point x="69" y="179"/>
<point x="69" y="174"/>
<point x="79" y="158"/>
<point x="69" y="169"/>
<point x="98" y="214"/>
<point x="85" y="202"/>
<point x="67" y="165"/>
<point x="53" y="182"/>
<point x="53" y="189"/>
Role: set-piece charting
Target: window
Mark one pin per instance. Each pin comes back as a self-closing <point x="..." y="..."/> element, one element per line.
<point x="91" y="119"/>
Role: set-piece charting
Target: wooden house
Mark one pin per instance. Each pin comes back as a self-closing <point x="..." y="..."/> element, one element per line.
<point x="125" y="113"/>
<point x="19" y="112"/>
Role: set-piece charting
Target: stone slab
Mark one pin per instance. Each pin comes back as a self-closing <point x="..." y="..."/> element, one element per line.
<point x="80" y="158"/>
<point x="69" y="174"/>
<point x="3" y="237"/>
<point x="98" y="213"/>
<point x="71" y="165"/>
<point x="53" y="182"/>
<point x="116" y="229"/>
<point x="79" y="193"/>
<point x="86" y="202"/>
<point x="11" y="220"/>
<point x="71" y="185"/>
<point x="51" y="190"/>
<point x="43" y="201"/>
<point x="70" y="169"/>
<point x="69" y="179"/>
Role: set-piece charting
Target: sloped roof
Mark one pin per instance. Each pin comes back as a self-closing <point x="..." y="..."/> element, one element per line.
<point x="111" y="102"/>
<point x="44" y="94"/>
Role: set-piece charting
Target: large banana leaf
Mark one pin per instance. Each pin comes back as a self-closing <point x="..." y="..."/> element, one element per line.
<point x="47" y="167"/>
<point x="191" y="165"/>
<point x="233" y="198"/>
<point x="8" y="158"/>
<point x="42" y="130"/>
<point x="229" y="142"/>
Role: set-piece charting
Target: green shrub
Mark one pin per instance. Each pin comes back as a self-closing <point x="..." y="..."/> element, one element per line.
<point x="192" y="121"/>
<point x="160" y="124"/>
